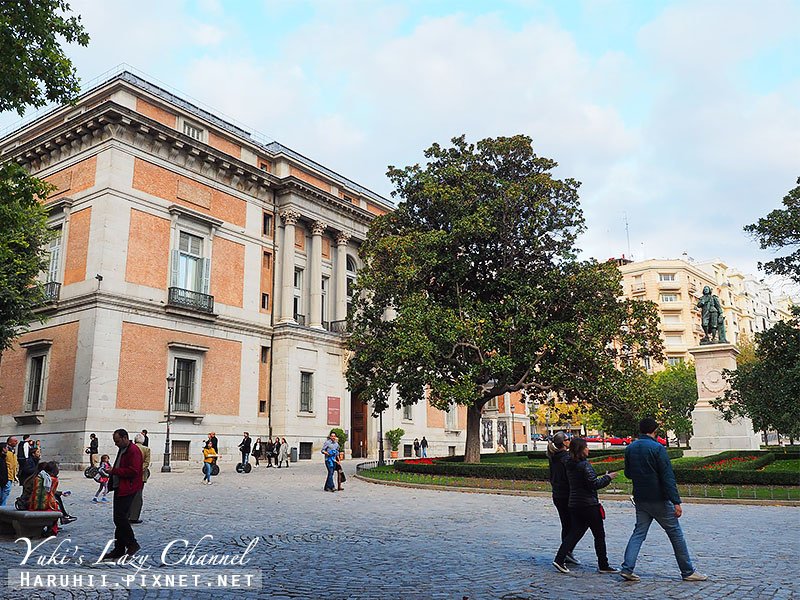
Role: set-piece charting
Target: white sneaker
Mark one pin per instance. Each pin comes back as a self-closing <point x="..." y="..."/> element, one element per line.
<point x="560" y="567"/>
<point x="696" y="577"/>
<point x="630" y="576"/>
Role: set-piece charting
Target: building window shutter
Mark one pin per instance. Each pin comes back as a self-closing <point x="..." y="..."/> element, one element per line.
<point x="176" y="259"/>
<point x="206" y="275"/>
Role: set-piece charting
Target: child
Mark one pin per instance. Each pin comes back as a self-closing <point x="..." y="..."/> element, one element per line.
<point x="105" y="467"/>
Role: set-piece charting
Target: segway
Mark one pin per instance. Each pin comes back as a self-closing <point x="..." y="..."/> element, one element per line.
<point x="214" y="469"/>
<point x="244" y="468"/>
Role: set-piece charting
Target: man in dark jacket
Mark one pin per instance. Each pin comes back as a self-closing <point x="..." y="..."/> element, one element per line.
<point x="558" y="456"/>
<point x="94" y="455"/>
<point x="125" y="482"/>
<point x="655" y="494"/>
<point x="244" y="448"/>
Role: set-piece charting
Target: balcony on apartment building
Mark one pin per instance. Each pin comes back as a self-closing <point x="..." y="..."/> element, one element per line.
<point x="673" y="326"/>
<point x="638" y="288"/>
<point x="673" y="286"/>
<point x="191" y="300"/>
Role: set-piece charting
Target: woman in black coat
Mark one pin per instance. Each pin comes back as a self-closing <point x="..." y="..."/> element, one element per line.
<point x="557" y="453"/>
<point x="584" y="506"/>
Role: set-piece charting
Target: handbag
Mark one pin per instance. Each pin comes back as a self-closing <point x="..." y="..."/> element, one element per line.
<point x="602" y="512"/>
<point x="87" y="451"/>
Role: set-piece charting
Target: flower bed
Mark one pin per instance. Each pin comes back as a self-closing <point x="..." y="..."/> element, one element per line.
<point x="726" y="463"/>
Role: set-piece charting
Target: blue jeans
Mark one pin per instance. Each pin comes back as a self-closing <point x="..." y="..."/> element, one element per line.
<point x="330" y="465"/>
<point x="245" y="458"/>
<point x="207" y="471"/>
<point x="664" y="515"/>
<point x="5" y="491"/>
<point x="424" y="452"/>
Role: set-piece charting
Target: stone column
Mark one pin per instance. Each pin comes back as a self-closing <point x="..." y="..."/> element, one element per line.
<point x="289" y="218"/>
<point x="341" y="276"/>
<point x="712" y="434"/>
<point x="315" y="269"/>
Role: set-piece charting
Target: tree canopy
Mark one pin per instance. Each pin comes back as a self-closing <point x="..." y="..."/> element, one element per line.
<point x="781" y="229"/>
<point x="23" y="235"/>
<point x="33" y="71"/>
<point x="675" y="392"/>
<point x="767" y="388"/>
<point x="33" y="67"/>
<point x="473" y="289"/>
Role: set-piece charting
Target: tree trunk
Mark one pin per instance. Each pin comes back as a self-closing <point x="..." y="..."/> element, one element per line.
<point x="472" y="450"/>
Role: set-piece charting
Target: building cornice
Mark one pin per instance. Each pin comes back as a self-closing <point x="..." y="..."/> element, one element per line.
<point x="294" y="185"/>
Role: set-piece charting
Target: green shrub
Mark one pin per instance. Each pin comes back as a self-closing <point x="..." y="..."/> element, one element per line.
<point x="394" y="436"/>
<point x="487" y="470"/>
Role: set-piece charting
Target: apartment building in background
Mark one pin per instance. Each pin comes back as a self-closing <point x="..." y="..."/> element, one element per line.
<point x="188" y="247"/>
<point x="676" y="285"/>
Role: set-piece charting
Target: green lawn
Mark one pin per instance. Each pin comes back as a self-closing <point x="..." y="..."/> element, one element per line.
<point x="784" y="466"/>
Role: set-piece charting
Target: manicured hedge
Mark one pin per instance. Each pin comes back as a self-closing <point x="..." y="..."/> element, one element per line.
<point x="737" y="477"/>
<point x="687" y="471"/>
<point x="487" y="470"/>
<point x="691" y="470"/>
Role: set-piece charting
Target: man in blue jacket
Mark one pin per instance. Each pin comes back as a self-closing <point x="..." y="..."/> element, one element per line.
<point x="656" y="496"/>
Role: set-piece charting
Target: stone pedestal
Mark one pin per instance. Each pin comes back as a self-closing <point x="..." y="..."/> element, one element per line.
<point x="712" y="434"/>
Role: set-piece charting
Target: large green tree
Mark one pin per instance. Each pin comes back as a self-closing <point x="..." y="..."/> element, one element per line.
<point x="675" y="392"/>
<point x="781" y="229"/>
<point x="473" y="289"/>
<point x="766" y="389"/>
<point x="33" y="71"/>
<point x="23" y="235"/>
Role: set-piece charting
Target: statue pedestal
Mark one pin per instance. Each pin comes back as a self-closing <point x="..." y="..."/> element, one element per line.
<point x="712" y="434"/>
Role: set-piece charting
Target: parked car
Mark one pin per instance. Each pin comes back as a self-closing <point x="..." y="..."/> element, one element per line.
<point x="618" y="441"/>
<point x="661" y="441"/>
<point x="593" y="438"/>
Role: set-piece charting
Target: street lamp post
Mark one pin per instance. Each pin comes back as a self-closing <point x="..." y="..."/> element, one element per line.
<point x="513" y="437"/>
<point x="166" y="468"/>
<point x="381" y="461"/>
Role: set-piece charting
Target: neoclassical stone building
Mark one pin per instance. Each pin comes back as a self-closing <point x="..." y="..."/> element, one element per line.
<point x="187" y="247"/>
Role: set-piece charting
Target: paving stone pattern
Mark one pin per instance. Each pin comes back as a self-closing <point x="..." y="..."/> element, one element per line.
<point x="382" y="542"/>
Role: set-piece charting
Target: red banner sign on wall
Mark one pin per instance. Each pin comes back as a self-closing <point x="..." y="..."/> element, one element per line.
<point x="334" y="410"/>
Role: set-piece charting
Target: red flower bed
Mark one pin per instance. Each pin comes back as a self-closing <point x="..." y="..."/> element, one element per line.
<point x="607" y="459"/>
<point x="420" y="461"/>
<point x="728" y="462"/>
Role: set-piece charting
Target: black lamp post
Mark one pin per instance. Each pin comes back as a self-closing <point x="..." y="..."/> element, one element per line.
<point x="166" y="468"/>
<point x="381" y="460"/>
<point x="513" y="436"/>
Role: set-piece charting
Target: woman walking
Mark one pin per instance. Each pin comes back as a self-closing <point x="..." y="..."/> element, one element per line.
<point x="557" y="453"/>
<point x="209" y="455"/>
<point x="257" y="450"/>
<point x="585" y="509"/>
<point x="269" y="449"/>
<point x="283" y="454"/>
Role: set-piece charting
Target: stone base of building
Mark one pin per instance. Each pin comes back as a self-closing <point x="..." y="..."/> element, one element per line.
<point x="712" y="434"/>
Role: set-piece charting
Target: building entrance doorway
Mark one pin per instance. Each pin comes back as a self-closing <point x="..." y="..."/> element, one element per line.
<point x="359" y="415"/>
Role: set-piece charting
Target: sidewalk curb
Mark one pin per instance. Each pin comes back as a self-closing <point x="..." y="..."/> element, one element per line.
<point x="536" y="494"/>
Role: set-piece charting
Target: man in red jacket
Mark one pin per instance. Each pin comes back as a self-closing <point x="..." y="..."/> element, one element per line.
<point x="125" y="482"/>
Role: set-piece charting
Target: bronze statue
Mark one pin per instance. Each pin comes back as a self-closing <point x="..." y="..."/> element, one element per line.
<point x="712" y="318"/>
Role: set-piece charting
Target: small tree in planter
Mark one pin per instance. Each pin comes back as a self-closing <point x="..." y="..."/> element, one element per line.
<point x="394" y="436"/>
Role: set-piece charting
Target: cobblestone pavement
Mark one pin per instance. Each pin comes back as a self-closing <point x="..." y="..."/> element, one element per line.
<point x="375" y="541"/>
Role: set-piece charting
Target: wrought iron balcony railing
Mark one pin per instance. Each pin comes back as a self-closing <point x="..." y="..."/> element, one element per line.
<point x="191" y="300"/>
<point x="52" y="292"/>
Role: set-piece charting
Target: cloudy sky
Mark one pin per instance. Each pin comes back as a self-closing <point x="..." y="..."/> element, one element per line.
<point x="683" y="117"/>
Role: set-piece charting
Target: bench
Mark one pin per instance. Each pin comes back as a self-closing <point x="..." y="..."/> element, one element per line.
<point x="26" y="523"/>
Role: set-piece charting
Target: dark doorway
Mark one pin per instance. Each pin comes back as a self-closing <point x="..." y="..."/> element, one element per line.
<point x="359" y="414"/>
